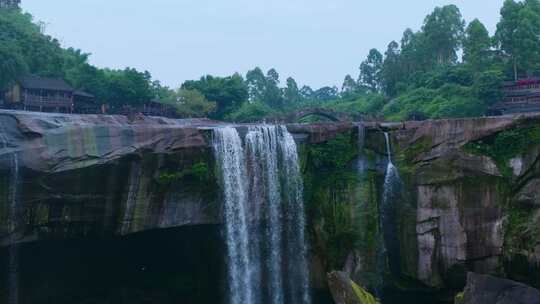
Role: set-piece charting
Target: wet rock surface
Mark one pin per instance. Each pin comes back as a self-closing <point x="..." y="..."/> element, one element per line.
<point x="484" y="289"/>
<point x="94" y="175"/>
<point x="98" y="175"/>
<point x="345" y="291"/>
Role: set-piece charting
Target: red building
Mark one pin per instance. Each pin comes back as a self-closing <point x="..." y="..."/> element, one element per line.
<point x="519" y="97"/>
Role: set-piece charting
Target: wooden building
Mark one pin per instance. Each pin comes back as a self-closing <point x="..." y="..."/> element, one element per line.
<point x="34" y="93"/>
<point x="519" y="97"/>
<point x="149" y="108"/>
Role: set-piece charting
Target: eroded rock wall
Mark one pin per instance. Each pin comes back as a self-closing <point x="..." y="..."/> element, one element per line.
<point x="473" y="198"/>
<point x="465" y="206"/>
<point x="64" y="176"/>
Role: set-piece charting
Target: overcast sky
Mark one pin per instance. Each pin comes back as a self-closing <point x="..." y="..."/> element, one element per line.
<point x="317" y="42"/>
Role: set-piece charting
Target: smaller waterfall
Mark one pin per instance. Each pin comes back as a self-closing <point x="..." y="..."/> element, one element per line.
<point x="229" y="155"/>
<point x="391" y="196"/>
<point x="13" y="220"/>
<point x="14" y="248"/>
<point x="361" y="165"/>
<point x="131" y="200"/>
<point x="392" y="174"/>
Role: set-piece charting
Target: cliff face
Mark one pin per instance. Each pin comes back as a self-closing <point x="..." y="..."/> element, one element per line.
<point x="468" y="199"/>
<point x="68" y="176"/>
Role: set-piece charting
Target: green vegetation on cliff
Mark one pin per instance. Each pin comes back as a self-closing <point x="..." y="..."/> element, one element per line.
<point x="363" y="296"/>
<point x="330" y="184"/>
<point x="504" y="146"/>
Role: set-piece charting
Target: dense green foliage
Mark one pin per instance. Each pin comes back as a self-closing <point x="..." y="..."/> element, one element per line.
<point x="227" y="92"/>
<point x="447" y="68"/>
<point x="25" y="49"/>
<point x="189" y="103"/>
<point x="330" y="194"/>
<point x="196" y="174"/>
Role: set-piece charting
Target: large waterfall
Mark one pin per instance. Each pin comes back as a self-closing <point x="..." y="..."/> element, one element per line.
<point x="230" y="158"/>
<point x="264" y="216"/>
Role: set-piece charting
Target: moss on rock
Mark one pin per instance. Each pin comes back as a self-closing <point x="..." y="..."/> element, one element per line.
<point x="364" y="297"/>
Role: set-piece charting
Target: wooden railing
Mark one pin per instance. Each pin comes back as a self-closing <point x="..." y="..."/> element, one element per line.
<point x="47" y="102"/>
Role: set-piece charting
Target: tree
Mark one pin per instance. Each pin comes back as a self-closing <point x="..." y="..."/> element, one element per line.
<point x="391" y="73"/>
<point x="349" y="89"/>
<point x="487" y="86"/>
<point x="528" y="35"/>
<point x="291" y="93"/>
<point x="229" y="93"/>
<point x="42" y="54"/>
<point x="443" y="32"/>
<point x="128" y="87"/>
<point x="414" y="56"/>
<point x="326" y="94"/>
<point x="518" y="34"/>
<point x="476" y="44"/>
<point x="256" y="84"/>
<point x="370" y="70"/>
<point x="192" y="104"/>
<point x="12" y="65"/>
<point x="272" y="93"/>
<point x="306" y="92"/>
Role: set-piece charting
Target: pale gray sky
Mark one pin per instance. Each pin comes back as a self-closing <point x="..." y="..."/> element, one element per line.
<point x="317" y="42"/>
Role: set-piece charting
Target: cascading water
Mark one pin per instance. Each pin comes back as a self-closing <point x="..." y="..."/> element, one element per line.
<point x="361" y="165"/>
<point x="391" y="196"/>
<point x="131" y="200"/>
<point x="267" y="175"/>
<point x="297" y="268"/>
<point x="13" y="249"/>
<point x="13" y="252"/>
<point x="262" y="147"/>
<point x="230" y="159"/>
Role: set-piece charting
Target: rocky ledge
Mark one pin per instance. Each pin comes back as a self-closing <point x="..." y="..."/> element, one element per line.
<point x="470" y="199"/>
<point x="81" y="175"/>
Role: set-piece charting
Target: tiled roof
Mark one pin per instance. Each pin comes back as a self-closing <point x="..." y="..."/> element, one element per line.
<point x="37" y="82"/>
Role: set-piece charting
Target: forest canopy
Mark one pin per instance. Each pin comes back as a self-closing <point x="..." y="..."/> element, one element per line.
<point x="449" y="67"/>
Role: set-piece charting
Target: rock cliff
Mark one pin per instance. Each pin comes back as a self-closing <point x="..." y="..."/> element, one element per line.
<point x="469" y="199"/>
<point x="95" y="175"/>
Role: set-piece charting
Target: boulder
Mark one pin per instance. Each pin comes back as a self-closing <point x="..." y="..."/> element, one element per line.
<point x="485" y="289"/>
<point x="345" y="291"/>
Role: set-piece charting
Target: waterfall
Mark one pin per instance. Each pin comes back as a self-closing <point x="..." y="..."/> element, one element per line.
<point x="264" y="210"/>
<point x="230" y="159"/>
<point x="297" y="268"/>
<point x="13" y="251"/>
<point x="131" y="200"/>
<point x="361" y="165"/>
<point x="391" y="196"/>
<point x="262" y="147"/>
